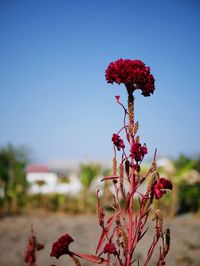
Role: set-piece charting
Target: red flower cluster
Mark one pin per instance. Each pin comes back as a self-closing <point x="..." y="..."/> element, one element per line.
<point x="110" y="248"/>
<point x="33" y="246"/>
<point x="138" y="151"/>
<point x="160" y="186"/>
<point x="133" y="73"/>
<point x="61" y="246"/>
<point x="118" y="142"/>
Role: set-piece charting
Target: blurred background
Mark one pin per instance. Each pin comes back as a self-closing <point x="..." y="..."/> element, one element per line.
<point x="58" y="115"/>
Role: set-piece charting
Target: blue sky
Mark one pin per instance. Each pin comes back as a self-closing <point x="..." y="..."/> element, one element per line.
<point x="53" y="95"/>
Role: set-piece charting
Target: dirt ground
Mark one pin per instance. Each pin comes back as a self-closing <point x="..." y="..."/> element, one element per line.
<point x="14" y="232"/>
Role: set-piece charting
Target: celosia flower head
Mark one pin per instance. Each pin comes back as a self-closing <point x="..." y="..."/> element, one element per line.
<point x="118" y="142"/>
<point x="61" y="246"/>
<point x="133" y="73"/>
<point x="110" y="248"/>
<point x="138" y="151"/>
<point x="161" y="186"/>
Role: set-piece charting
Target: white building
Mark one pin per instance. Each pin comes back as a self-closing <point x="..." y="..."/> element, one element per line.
<point x="45" y="180"/>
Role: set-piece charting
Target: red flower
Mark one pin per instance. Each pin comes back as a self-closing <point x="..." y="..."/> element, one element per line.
<point x="118" y="142"/>
<point x="164" y="183"/>
<point x="158" y="193"/>
<point x="33" y="246"/>
<point x="160" y="186"/>
<point x="61" y="246"/>
<point x="110" y="248"/>
<point x="133" y="73"/>
<point x="138" y="151"/>
<point x="30" y="254"/>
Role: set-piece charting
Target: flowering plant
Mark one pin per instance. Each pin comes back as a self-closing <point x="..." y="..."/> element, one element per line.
<point x="32" y="246"/>
<point x="125" y="228"/>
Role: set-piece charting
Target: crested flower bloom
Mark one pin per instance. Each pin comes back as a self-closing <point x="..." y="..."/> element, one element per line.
<point x="110" y="248"/>
<point x="118" y="142"/>
<point x="161" y="186"/>
<point x="61" y="246"/>
<point x="133" y="73"/>
<point x="138" y="151"/>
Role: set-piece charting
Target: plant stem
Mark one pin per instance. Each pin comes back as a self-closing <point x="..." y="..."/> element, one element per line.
<point x="130" y="231"/>
<point x="131" y="111"/>
<point x="132" y="181"/>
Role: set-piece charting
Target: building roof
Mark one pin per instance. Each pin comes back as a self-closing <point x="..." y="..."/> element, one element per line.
<point x="37" y="168"/>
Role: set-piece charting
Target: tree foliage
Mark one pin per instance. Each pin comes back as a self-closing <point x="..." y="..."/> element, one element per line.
<point x="87" y="173"/>
<point x="13" y="161"/>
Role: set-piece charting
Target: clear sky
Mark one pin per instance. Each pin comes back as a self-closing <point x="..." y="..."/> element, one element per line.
<point x="53" y="95"/>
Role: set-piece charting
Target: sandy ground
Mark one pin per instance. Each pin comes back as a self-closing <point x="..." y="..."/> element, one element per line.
<point x="14" y="232"/>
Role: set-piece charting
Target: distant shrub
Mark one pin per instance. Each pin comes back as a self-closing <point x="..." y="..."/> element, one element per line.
<point x="189" y="200"/>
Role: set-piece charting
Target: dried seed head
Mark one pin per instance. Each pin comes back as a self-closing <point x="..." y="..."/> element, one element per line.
<point x="101" y="215"/>
<point x="159" y="223"/>
<point x="168" y="236"/>
<point x="121" y="170"/>
<point x="153" y="166"/>
<point x="100" y="212"/>
<point x="167" y="242"/>
<point x="114" y="166"/>
<point x="135" y="128"/>
<point x="124" y="236"/>
<point x="137" y="139"/>
<point x="165" y="249"/>
<point x="131" y="112"/>
<point x="118" y="219"/>
<point x="121" y="179"/>
<point x="150" y="185"/>
<point x="128" y="137"/>
<point x="122" y="188"/>
<point x="127" y="167"/>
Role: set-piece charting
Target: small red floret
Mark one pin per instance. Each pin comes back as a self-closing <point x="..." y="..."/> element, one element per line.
<point x="110" y="248"/>
<point x="118" y="142"/>
<point x="138" y="151"/>
<point x="161" y="186"/>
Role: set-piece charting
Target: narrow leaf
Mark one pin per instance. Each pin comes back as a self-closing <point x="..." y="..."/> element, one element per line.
<point x="101" y="240"/>
<point x="110" y="177"/>
<point x="91" y="258"/>
<point x="105" y="231"/>
<point x="143" y="234"/>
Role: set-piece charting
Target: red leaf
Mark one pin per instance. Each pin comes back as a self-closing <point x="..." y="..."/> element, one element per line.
<point x="110" y="177"/>
<point x="91" y="258"/>
<point x="101" y="240"/>
<point x="105" y="231"/>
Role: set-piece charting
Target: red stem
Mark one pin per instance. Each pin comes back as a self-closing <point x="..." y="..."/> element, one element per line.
<point x="130" y="231"/>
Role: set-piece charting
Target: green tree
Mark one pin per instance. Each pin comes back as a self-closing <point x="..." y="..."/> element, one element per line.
<point x="197" y="164"/>
<point x="182" y="165"/>
<point x="87" y="174"/>
<point x="12" y="175"/>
